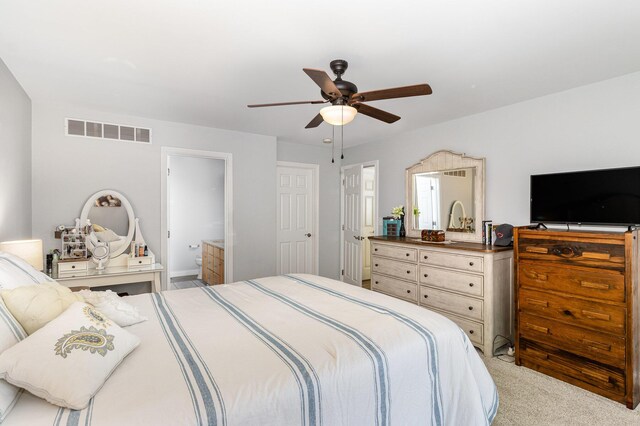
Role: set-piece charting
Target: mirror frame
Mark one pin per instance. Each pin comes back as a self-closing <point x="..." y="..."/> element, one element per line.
<point x="125" y="203"/>
<point x="441" y="161"/>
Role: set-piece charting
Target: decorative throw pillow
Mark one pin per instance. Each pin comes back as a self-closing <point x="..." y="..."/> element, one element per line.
<point x="15" y="272"/>
<point x="107" y="236"/>
<point x="35" y="305"/>
<point x="68" y="360"/>
<point x="112" y="305"/>
<point x="10" y="333"/>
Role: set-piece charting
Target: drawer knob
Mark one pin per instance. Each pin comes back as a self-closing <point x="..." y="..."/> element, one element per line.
<point x="376" y="282"/>
<point x="375" y="249"/>
<point x="470" y="263"/>
<point x="471" y="308"/>
<point x="407" y="254"/>
<point x="408" y="291"/>
<point x="470" y="284"/>
<point x="408" y="272"/>
<point x="375" y="264"/>
<point x="426" y="275"/>
<point x="73" y="266"/>
<point x="470" y="331"/>
<point x="426" y="296"/>
<point x="426" y="257"/>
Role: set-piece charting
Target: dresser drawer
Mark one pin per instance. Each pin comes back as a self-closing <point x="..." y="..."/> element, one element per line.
<point x="596" y="377"/>
<point x="575" y="251"/>
<point x="598" y="346"/>
<point x="66" y="267"/>
<point x="132" y="262"/>
<point x="451" y="280"/>
<point x="395" y="252"/>
<point x="448" y="260"/>
<point x="586" y="282"/>
<point x="396" y="288"/>
<point x="405" y="271"/>
<point x="450" y="302"/>
<point x="473" y="329"/>
<point x="593" y="315"/>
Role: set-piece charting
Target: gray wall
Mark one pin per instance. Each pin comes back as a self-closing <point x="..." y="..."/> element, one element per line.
<point x="329" y="199"/>
<point x="67" y="170"/>
<point x="590" y="127"/>
<point x="15" y="158"/>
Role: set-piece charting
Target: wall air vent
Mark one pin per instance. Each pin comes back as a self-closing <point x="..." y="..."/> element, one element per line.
<point x="94" y="129"/>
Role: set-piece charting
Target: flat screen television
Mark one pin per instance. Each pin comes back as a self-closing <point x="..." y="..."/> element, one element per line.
<point x="593" y="197"/>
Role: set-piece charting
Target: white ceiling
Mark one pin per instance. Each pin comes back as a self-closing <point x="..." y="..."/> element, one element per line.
<point x="202" y="61"/>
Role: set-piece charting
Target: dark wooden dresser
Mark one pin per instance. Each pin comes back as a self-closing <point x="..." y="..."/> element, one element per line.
<point x="577" y="309"/>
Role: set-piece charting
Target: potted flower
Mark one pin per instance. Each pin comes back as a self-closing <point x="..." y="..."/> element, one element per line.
<point x="398" y="213"/>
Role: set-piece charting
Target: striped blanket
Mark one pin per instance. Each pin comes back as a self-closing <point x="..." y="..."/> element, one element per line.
<point x="289" y="350"/>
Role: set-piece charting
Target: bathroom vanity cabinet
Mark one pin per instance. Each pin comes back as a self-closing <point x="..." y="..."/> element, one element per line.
<point x="213" y="262"/>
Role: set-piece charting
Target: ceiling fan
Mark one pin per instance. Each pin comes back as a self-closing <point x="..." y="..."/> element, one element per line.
<point x="345" y="99"/>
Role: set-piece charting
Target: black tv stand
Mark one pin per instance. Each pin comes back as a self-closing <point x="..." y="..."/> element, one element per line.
<point x="539" y="225"/>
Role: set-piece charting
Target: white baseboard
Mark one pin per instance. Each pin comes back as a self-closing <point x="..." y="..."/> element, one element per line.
<point x="184" y="273"/>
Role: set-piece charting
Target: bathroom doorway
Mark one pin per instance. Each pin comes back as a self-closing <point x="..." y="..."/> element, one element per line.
<point x="196" y="219"/>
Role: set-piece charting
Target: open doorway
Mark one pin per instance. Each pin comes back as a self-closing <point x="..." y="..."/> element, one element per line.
<point x="196" y="219"/>
<point x="358" y="215"/>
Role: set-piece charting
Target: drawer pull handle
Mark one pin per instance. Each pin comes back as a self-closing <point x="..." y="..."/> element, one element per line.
<point x="426" y="257"/>
<point x="599" y="286"/>
<point x="408" y="272"/>
<point x="470" y="331"/>
<point x="598" y="376"/>
<point x="470" y="263"/>
<point x="544" y="330"/>
<point x="596" y="315"/>
<point x="426" y="275"/>
<point x="597" y="345"/>
<point x="426" y="296"/>
<point x="73" y="266"/>
<point x="471" y="308"/>
<point x="538" y="302"/>
<point x="376" y="282"/>
<point x="541" y="250"/>
<point x="375" y="264"/>
<point x="535" y="276"/>
<point x="538" y="354"/>
<point x="409" y="291"/>
<point x="470" y="284"/>
<point x="407" y="254"/>
<point x="594" y="255"/>
<point x="375" y="249"/>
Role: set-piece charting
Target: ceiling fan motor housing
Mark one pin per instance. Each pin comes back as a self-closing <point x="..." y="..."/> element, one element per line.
<point x="347" y="88"/>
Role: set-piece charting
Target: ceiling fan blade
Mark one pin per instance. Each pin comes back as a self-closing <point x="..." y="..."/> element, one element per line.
<point x="286" y="103"/>
<point x="376" y="113"/>
<point x="317" y="120"/>
<point x="324" y="81"/>
<point x="396" y="92"/>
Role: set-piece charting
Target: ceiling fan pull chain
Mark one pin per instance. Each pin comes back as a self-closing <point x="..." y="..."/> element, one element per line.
<point x="342" y="135"/>
<point x="333" y="142"/>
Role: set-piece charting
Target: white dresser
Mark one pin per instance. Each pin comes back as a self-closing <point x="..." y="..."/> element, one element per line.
<point x="470" y="283"/>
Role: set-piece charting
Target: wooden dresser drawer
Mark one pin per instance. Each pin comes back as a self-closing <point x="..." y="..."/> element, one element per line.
<point x="449" y="260"/>
<point x="592" y="344"/>
<point x="451" y="280"/>
<point x="575" y="251"/>
<point x="586" y="282"/>
<point x="472" y="328"/>
<point x="566" y="366"/>
<point x="450" y="302"/>
<point x="593" y="315"/>
<point x="395" y="252"/>
<point x="405" y="271"/>
<point x="393" y="287"/>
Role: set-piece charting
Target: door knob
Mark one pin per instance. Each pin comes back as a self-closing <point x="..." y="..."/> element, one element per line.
<point x="308" y="234"/>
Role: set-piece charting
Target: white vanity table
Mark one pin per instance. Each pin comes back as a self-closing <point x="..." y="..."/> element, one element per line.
<point x="113" y="275"/>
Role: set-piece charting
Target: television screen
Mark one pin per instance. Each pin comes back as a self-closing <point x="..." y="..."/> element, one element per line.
<point x="596" y="197"/>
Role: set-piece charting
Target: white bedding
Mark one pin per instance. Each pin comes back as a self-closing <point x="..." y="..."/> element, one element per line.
<point x="297" y="350"/>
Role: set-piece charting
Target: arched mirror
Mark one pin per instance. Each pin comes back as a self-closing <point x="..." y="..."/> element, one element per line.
<point x="112" y="220"/>
<point x="445" y="191"/>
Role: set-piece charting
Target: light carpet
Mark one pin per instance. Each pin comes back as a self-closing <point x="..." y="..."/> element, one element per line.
<point x="531" y="398"/>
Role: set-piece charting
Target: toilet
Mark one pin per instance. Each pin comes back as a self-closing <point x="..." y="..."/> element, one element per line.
<point x="199" y="263"/>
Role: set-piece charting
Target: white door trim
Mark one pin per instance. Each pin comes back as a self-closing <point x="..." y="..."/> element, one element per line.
<point x="315" y="207"/>
<point x="166" y="152"/>
<point x="376" y="164"/>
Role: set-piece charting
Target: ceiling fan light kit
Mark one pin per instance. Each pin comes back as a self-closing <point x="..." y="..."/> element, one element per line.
<point x="338" y="115"/>
<point x="345" y="99"/>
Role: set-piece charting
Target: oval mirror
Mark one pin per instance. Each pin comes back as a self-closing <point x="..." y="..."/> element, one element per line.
<point x="457" y="217"/>
<point x="112" y="220"/>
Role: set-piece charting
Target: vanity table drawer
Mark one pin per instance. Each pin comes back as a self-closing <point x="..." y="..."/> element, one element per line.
<point x="461" y="305"/>
<point x="405" y="271"/>
<point x="396" y="288"/>
<point x="81" y="265"/>
<point x="138" y="261"/>
<point x="451" y="280"/>
<point x="448" y="260"/>
<point x="402" y="253"/>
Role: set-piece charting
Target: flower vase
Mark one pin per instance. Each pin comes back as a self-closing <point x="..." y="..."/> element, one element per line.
<point x="403" y="232"/>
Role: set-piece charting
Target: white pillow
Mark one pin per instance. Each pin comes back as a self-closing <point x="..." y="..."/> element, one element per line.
<point x="15" y="272"/>
<point x="68" y="360"/>
<point x="112" y="305"/>
<point x="10" y="333"/>
<point x="35" y="305"/>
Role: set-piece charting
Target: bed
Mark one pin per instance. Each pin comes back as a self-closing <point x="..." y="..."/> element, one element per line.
<point x="287" y="350"/>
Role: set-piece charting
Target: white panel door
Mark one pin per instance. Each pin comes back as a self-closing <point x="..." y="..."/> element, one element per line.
<point x="295" y="220"/>
<point x="369" y="218"/>
<point x="352" y="250"/>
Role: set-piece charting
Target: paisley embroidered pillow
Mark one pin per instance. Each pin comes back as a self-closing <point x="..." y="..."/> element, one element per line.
<point x="68" y="360"/>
